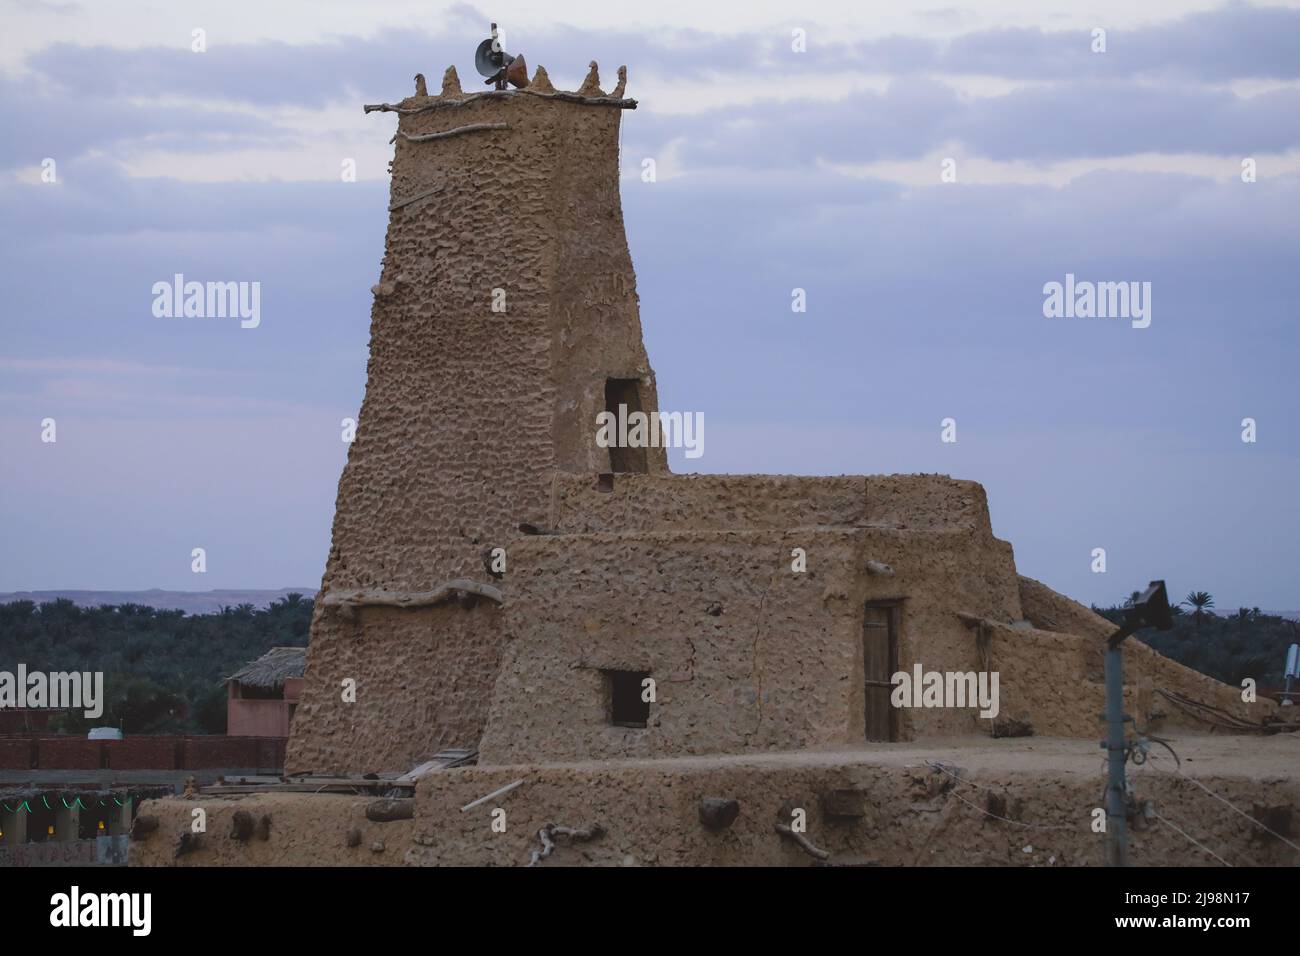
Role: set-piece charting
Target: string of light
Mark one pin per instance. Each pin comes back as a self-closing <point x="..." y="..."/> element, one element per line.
<point x="25" y="806"/>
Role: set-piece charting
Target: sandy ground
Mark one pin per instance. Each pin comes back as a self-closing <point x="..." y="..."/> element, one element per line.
<point x="1272" y="757"/>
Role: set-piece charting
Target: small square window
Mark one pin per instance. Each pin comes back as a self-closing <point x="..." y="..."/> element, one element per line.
<point x="626" y="706"/>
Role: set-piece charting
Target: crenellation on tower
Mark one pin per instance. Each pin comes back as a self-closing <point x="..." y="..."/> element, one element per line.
<point x="450" y="82"/>
<point x="541" y="81"/>
<point x="591" y="85"/>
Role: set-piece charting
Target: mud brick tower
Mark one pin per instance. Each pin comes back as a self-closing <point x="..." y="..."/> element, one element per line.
<point x="505" y="319"/>
<point x="505" y="310"/>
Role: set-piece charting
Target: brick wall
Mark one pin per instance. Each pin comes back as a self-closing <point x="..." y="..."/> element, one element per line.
<point x="270" y="751"/>
<point x="143" y="753"/>
<point x="16" y="753"/>
<point x="200" y="753"/>
<point x="69" y="753"/>
<point x="146" y="752"/>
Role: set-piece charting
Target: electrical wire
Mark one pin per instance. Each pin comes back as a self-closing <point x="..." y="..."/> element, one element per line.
<point x="1189" y="838"/>
<point x="1230" y="805"/>
<point x="1030" y="826"/>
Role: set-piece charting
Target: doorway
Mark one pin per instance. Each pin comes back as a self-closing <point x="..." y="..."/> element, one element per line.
<point x="625" y="392"/>
<point x="880" y="626"/>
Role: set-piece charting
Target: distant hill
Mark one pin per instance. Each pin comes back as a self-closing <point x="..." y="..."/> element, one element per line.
<point x="191" y="602"/>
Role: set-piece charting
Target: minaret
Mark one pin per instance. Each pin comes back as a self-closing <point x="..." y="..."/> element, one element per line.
<point x="504" y="320"/>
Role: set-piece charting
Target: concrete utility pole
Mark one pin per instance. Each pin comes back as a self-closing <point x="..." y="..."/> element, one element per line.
<point x="1151" y="609"/>
<point x="1292" y="672"/>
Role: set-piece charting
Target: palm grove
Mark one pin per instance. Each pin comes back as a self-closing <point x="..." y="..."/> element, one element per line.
<point x="164" y="671"/>
<point x="1229" y="647"/>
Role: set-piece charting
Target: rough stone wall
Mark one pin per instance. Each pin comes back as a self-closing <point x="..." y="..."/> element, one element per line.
<point x="468" y="413"/>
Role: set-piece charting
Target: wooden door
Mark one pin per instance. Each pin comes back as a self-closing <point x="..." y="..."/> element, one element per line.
<point x="879" y="663"/>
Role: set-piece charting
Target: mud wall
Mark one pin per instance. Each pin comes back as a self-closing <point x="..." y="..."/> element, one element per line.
<point x="1145" y="671"/>
<point x="305" y="830"/>
<point x="594" y="312"/>
<point x="1048" y="687"/>
<point x="989" y="806"/>
<point x="422" y="679"/>
<point x="911" y="816"/>
<point x="746" y="654"/>
<point x="752" y="502"/>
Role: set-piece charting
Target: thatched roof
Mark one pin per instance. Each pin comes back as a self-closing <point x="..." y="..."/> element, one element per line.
<point x="273" y="668"/>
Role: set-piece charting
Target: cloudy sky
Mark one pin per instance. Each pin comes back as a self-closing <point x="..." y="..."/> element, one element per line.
<point x="777" y="169"/>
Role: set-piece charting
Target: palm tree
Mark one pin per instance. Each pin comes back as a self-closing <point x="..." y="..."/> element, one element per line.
<point x="290" y="601"/>
<point x="1201" y="600"/>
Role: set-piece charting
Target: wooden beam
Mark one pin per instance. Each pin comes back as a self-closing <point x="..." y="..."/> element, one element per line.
<point x="374" y="597"/>
<point x="804" y="843"/>
<point x="446" y="134"/>
<point x="501" y="792"/>
<point x="416" y="198"/>
<point x="452" y="102"/>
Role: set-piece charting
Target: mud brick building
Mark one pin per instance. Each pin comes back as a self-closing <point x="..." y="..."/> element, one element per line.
<point x="505" y="319"/>
<point x="477" y="422"/>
